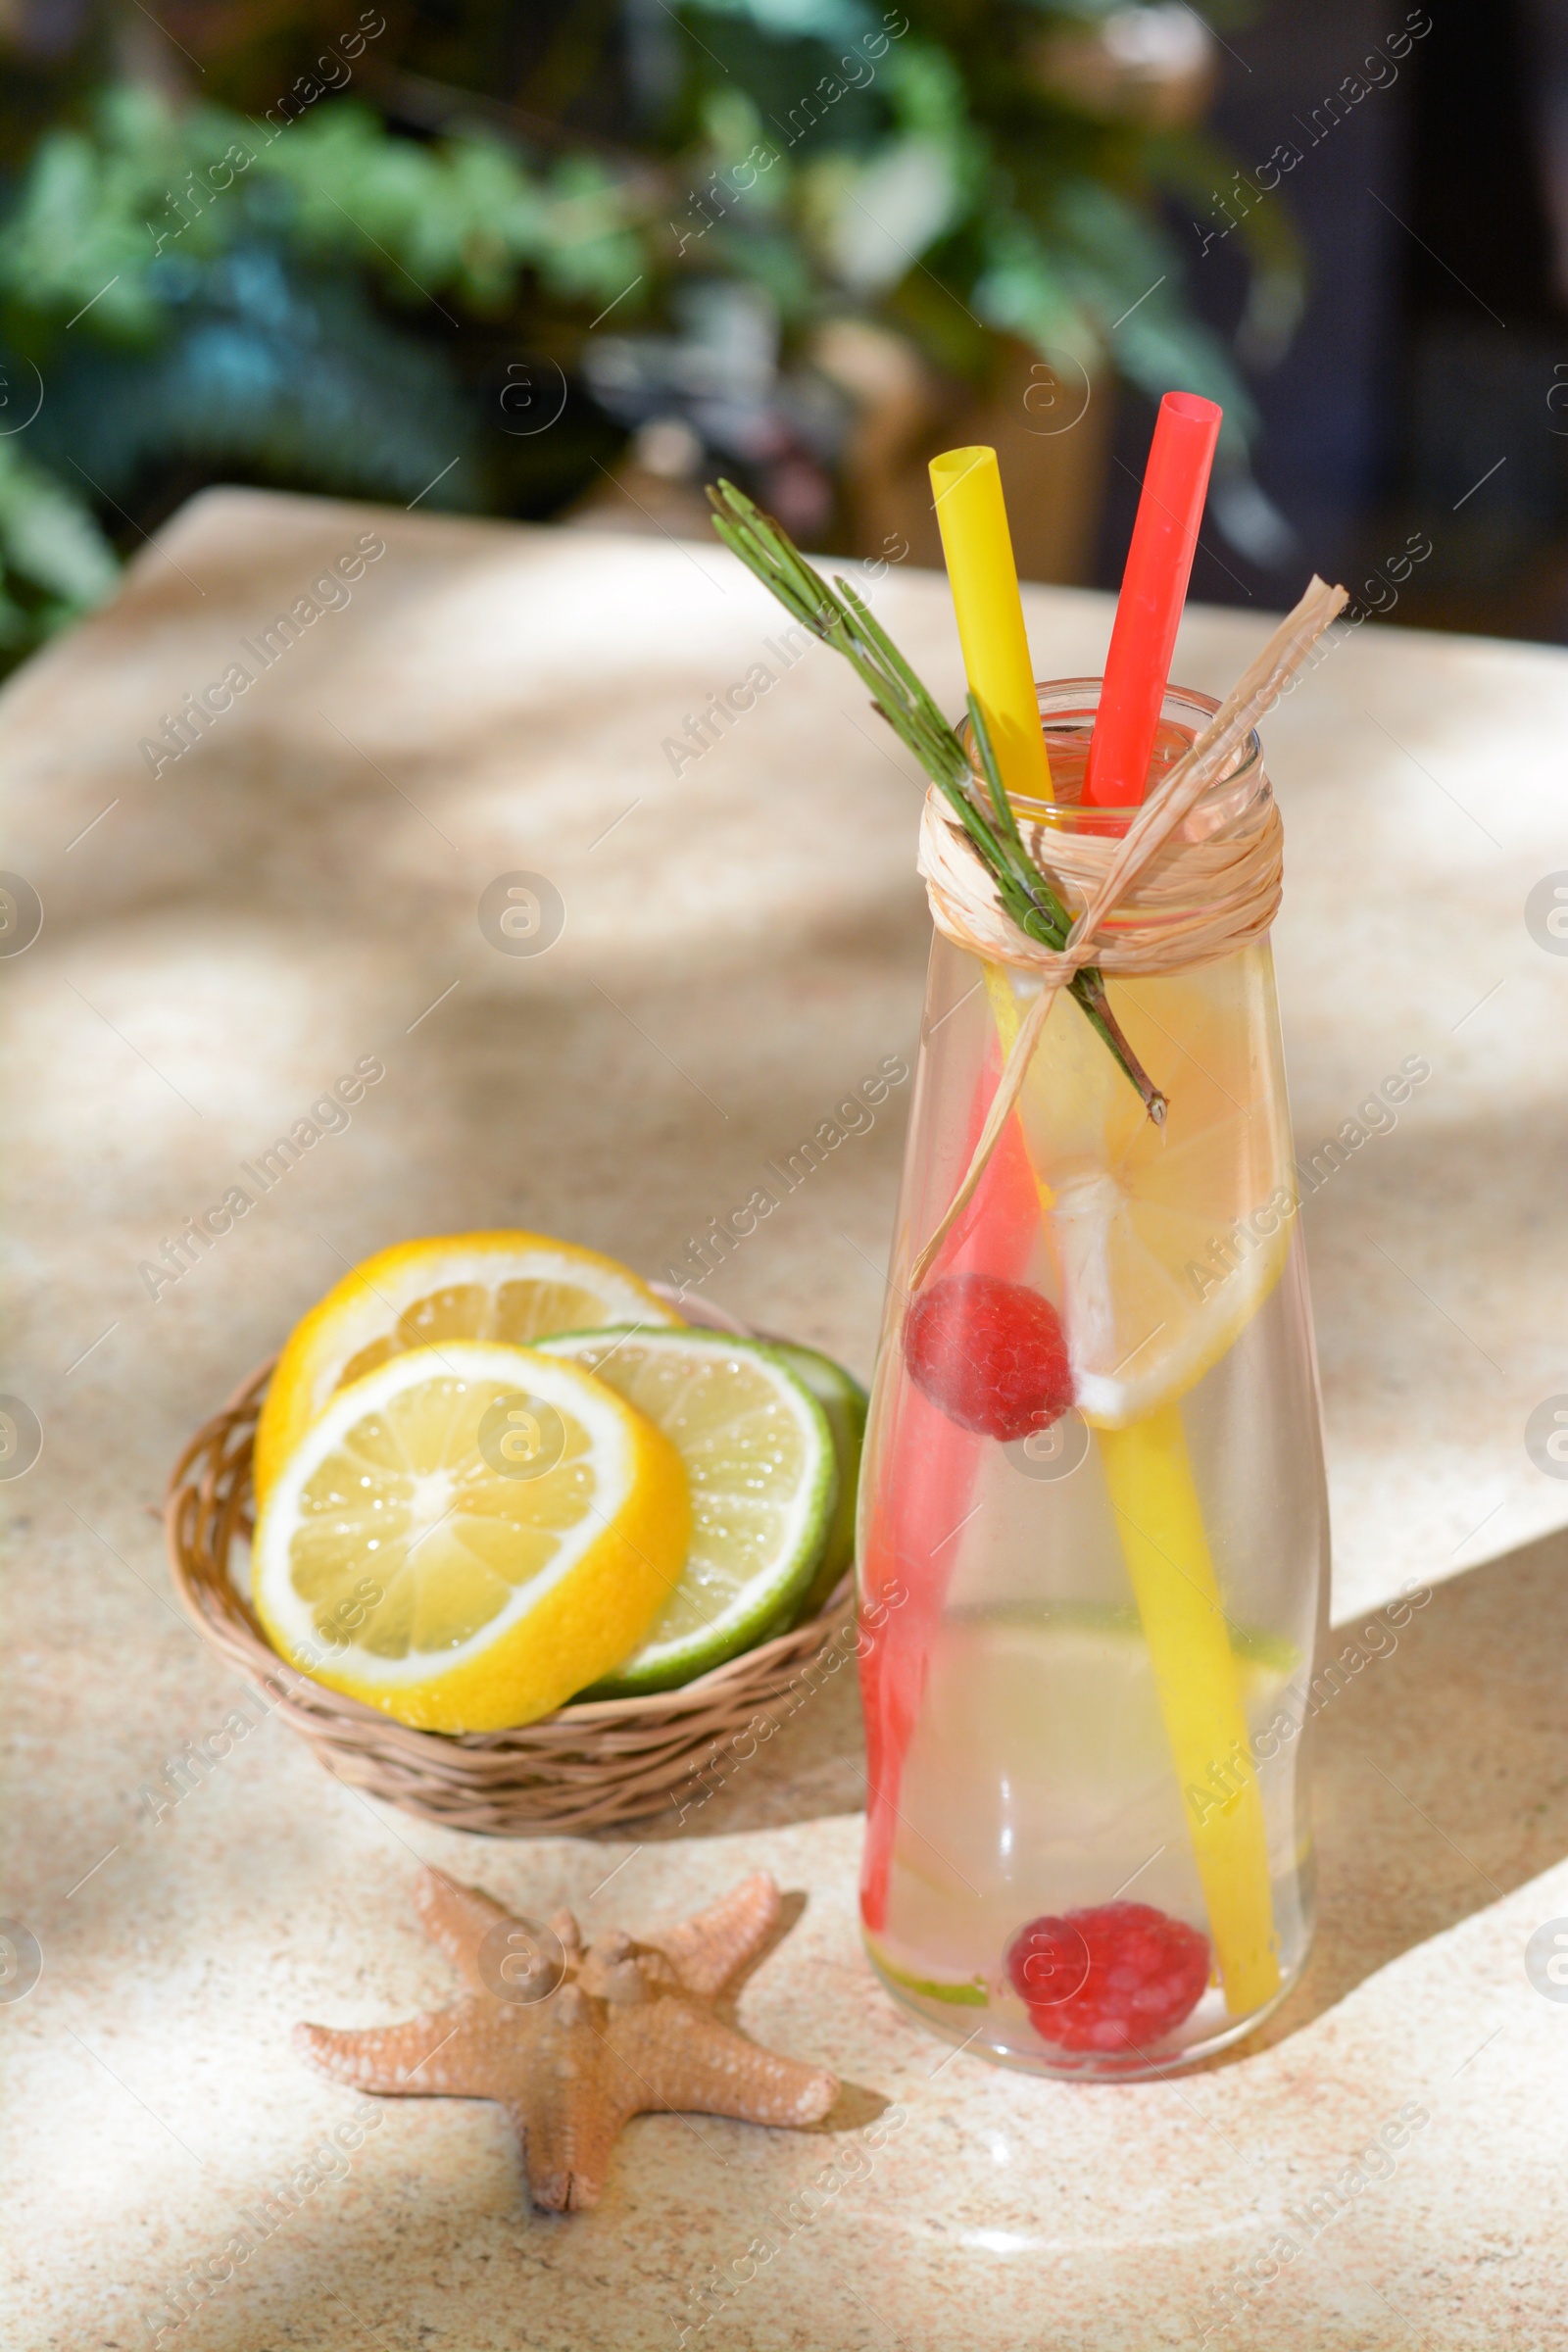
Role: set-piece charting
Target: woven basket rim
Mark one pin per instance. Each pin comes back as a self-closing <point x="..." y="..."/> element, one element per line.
<point x="224" y="1618"/>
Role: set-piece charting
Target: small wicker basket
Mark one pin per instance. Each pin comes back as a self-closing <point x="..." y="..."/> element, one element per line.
<point x="586" y="1767"/>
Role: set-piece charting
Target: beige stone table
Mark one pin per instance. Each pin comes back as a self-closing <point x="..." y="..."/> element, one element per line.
<point x="743" y="944"/>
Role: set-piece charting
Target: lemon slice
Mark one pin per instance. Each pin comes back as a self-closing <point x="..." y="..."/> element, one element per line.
<point x="512" y="1287"/>
<point x="467" y="1534"/>
<point x="760" y="1463"/>
<point x="1151" y="1309"/>
<point x="1166" y="1240"/>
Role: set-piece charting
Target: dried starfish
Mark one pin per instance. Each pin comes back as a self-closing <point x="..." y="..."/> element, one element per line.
<point x="574" y="2039"/>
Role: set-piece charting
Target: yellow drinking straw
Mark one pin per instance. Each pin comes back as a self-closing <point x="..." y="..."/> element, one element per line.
<point x="984" y="579"/>
<point x="1149" y="1480"/>
<point x="1148" y="1473"/>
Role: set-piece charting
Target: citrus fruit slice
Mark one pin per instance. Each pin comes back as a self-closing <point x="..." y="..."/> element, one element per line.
<point x="844" y="1402"/>
<point x="1166" y="1240"/>
<point x="759" y="1459"/>
<point x="511" y="1286"/>
<point x="1063" y="1705"/>
<point x="964" y="1993"/>
<point x="467" y="1534"/>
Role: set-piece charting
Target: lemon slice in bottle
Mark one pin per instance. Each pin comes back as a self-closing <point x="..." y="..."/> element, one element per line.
<point x="759" y="1462"/>
<point x="1167" y="1240"/>
<point x="510" y="1287"/>
<point x="467" y="1534"/>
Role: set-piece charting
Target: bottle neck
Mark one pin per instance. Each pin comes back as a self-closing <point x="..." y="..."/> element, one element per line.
<point x="1067" y="711"/>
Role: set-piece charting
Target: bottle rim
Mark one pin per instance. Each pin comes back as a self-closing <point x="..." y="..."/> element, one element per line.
<point x="1067" y="709"/>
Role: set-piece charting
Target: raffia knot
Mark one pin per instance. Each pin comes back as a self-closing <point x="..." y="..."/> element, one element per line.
<point x="1192" y="901"/>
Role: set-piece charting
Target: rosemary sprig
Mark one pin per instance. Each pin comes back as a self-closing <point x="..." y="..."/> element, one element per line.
<point x="843" y="619"/>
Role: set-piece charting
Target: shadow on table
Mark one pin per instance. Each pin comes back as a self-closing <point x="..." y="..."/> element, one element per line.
<point x="812" y="1763"/>
<point x="1441" y="1776"/>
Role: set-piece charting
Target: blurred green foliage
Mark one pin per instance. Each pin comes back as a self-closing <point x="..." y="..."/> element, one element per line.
<point x="287" y="245"/>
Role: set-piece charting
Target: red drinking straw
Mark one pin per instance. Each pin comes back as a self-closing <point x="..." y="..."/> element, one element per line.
<point x="929" y="1475"/>
<point x="1154" y="588"/>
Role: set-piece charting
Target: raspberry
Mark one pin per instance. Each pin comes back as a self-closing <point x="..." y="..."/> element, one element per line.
<point x="990" y="1355"/>
<point x="1117" y="1976"/>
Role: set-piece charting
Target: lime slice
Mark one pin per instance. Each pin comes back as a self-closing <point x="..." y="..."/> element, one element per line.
<point x="844" y="1402"/>
<point x="760" y="1463"/>
<point x="964" y="1993"/>
<point x="1040" y="1728"/>
<point x="1071" y="1694"/>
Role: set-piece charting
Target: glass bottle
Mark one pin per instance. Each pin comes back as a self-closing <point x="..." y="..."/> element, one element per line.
<point x="1088" y="1632"/>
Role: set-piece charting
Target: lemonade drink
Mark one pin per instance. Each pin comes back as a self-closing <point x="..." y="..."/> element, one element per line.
<point x="1084" y="1695"/>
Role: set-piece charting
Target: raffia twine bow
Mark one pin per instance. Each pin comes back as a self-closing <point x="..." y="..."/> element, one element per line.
<point x="1148" y="902"/>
